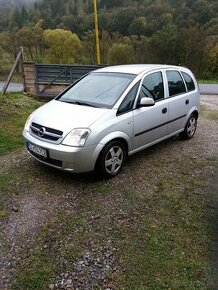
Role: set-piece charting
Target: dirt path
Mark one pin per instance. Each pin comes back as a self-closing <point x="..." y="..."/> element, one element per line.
<point x="59" y="218"/>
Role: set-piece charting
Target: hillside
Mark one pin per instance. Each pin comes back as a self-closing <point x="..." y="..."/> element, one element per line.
<point x="11" y="4"/>
<point x="123" y="16"/>
<point x="140" y="31"/>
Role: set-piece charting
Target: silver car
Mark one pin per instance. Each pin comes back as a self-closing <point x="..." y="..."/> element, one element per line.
<point x="112" y="113"/>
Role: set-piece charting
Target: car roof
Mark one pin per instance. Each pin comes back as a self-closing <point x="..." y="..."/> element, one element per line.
<point x="134" y="68"/>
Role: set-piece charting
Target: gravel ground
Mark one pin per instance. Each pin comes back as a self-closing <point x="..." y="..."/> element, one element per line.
<point x="40" y="194"/>
<point x="211" y="102"/>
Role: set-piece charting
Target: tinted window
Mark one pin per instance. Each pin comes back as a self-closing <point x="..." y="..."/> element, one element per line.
<point x="152" y="87"/>
<point x="128" y="102"/>
<point x="175" y="83"/>
<point x="98" y="89"/>
<point x="189" y="81"/>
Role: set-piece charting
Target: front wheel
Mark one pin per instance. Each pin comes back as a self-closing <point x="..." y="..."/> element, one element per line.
<point x="111" y="159"/>
<point x="190" y="128"/>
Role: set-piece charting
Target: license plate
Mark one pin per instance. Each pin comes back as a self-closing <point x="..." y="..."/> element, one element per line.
<point x="37" y="150"/>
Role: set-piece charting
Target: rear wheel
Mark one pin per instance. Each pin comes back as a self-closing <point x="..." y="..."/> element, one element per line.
<point x="111" y="159"/>
<point x="190" y="127"/>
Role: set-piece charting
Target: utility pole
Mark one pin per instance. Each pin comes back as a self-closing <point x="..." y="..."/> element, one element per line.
<point x="97" y="33"/>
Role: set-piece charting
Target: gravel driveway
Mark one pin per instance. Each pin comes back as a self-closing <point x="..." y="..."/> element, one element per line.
<point x="48" y="210"/>
<point x="211" y="102"/>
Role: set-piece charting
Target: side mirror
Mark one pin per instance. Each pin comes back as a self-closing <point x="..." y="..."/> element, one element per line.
<point x="146" y="102"/>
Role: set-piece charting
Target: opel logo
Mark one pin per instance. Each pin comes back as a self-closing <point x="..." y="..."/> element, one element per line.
<point x="41" y="132"/>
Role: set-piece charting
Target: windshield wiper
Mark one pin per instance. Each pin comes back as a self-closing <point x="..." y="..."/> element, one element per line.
<point x="79" y="103"/>
<point x="83" y="104"/>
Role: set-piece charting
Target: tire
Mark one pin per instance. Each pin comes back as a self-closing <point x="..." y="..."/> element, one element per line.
<point x="190" y="128"/>
<point x="111" y="159"/>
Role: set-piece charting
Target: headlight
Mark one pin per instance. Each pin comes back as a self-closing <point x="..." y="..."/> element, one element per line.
<point x="27" y="124"/>
<point x="76" y="137"/>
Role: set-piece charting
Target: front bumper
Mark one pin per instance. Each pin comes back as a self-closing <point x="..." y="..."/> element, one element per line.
<point x="75" y="159"/>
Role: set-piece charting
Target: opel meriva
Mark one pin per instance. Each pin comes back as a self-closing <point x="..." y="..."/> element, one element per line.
<point x="111" y="113"/>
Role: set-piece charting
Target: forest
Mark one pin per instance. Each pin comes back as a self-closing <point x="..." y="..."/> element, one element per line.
<point x="142" y="31"/>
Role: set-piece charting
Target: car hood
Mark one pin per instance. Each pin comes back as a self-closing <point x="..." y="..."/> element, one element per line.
<point x="65" y="117"/>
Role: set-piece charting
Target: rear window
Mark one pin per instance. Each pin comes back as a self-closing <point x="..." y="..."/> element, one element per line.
<point x="189" y="82"/>
<point x="175" y="83"/>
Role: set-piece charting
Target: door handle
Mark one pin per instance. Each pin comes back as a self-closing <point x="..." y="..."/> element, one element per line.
<point x="164" y="110"/>
<point x="187" y="102"/>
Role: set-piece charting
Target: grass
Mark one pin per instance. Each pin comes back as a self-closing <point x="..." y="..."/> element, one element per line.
<point x="161" y="237"/>
<point x="209" y="114"/>
<point x="164" y="246"/>
<point x="17" y="77"/>
<point x="43" y="264"/>
<point x="38" y="269"/>
<point x="14" y="111"/>
<point x="208" y="81"/>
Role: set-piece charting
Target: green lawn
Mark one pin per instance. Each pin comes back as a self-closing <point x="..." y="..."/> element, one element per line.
<point x="14" y="111"/>
<point x="208" y="81"/>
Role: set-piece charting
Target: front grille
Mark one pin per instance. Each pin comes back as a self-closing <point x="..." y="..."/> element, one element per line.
<point x="47" y="160"/>
<point x="45" y="132"/>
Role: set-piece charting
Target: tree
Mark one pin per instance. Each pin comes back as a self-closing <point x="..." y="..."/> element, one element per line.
<point x="122" y="20"/>
<point x="138" y="26"/>
<point x="106" y="41"/>
<point x="111" y="3"/>
<point x="63" y="46"/>
<point x="191" y="48"/>
<point x="140" y="46"/>
<point x="202" y="11"/>
<point x="9" y="43"/>
<point x="89" y="47"/>
<point x="166" y="18"/>
<point x="121" y="54"/>
<point x="17" y="18"/>
<point x="163" y="45"/>
<point x="213" y="61"/>
<point x="31" y="39"/>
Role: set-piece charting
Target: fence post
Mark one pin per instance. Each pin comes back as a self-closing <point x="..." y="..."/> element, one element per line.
<point x="12" y="72"/>
<point x="22" y="68"/>
<point x="30" y="78"/>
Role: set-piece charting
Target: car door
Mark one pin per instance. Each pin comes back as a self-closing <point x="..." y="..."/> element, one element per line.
<point x="150" y="123"/>
<point x="179" y="101"/>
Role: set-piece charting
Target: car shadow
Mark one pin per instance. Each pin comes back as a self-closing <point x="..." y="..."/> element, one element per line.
<point x="91" y="177"/>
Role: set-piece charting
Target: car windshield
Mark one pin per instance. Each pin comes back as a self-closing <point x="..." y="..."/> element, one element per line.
<point x="98" y="89"/>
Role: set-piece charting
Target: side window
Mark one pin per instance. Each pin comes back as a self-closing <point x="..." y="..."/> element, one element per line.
<point x="152" y="87"/>
<point x="128" y="102"/>
<point x="189" y="82"/>
<point x="175" y="83"/>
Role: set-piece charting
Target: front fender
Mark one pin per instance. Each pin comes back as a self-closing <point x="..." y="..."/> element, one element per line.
<point x="117" y="135"/>
<point x="112" y="136"/>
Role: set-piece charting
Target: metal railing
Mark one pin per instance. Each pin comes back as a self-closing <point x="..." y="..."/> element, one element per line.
<point x="51" y="74"/>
